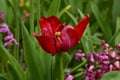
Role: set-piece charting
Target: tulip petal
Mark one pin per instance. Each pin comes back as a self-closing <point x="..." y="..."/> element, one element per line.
<point x="55" y="23"/>
<point x="46" y="43"/>
<point x="46" y="28"/>
<point x="68" y="39"/>
<point x="82" y="25"/>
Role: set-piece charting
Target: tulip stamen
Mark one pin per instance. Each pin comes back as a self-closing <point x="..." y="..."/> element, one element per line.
<point x="58" y="34"/>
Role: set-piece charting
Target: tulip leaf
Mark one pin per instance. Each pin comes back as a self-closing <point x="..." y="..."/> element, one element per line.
<point x="32" y="58"/>
<point x="8" y="58"/>
<point x="103" y="24"/>
<point x="95" y="40"/>
<point x="113" y="75"/>
<point x="12" y="72"/>
<point x="2" y="77"/>
<point x="116" y="9"/>
<point x="54" y="7"/>
<point x="31" y="16"/>
<point x="117" y="38"/>
<point x="72" y="17"/>
<point x="64" y="10"/>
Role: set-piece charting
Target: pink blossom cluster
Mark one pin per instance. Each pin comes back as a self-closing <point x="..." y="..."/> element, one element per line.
<point x="5" y="29"/>
<point x="101" y="62"/>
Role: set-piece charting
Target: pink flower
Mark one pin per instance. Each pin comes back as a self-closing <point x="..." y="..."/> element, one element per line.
<point x="9" y="38"/>
<point x="68" y="76"/>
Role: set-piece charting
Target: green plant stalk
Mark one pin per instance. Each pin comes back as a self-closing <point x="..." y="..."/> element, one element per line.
<point x="61" y="67"/>
<point x="54" y="8"/>
<point x="78" y="75"/>
<point x="31" y="16"/>
<point x="0" y="40"/>
<point x="1" y="62"/>
<point x="58" y="70"/>
<point x="17" y="29"/>
<point x="38" y="16"/>
<point x="87" y="33"/>
<point x="64" y="10"/>
<point x="72" y="17"/>
<point x="78" y="66"/>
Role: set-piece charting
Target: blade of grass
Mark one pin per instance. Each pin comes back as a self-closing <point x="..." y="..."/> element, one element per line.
<point x="7" y="57"/>
<point x="72" y="17"/>
<point x="117" y="38"/>
<point x="103" y="24"/>
<point x="64" y="10"/>
<point x="17" y="29"/>
<point x="54" y="8"/>
<point x="38" y="16"/>
<point x="31" y="16"/>
<point x="116" y="9"/>
<point x="32" y="58"/>
<point x="88" y="46"/>
<point x="2" y="77"/>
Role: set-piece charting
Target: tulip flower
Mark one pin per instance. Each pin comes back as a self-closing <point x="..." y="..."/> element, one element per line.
<point x="56" y="37"/>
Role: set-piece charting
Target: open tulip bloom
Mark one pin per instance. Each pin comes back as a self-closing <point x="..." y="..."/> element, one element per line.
<point x="56" y="37"/>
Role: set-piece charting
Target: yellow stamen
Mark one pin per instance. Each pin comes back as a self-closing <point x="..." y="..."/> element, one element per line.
<point x="58" y="34"/>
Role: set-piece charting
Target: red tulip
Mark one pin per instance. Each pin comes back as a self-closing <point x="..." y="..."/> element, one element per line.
<point x="55" y="37"/>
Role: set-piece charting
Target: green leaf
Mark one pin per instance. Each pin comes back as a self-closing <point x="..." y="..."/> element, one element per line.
<point x="56" y="73"/>
<point x="103" y="25"/>
<point x="95" y="40"/>
<point x="31" y="16"/>
<point x="2" y="77"/>
<point x="72" y="17"/>
<point x="7" y="57"/>
<point x="64" y="10"/>
<point x="11" y="71"/>
<point x="117" y="38"/>
<point x="113" y="75"/>
<point x="54" y="8"/>
<point x="86" y="41"/>
<point x="116" y="9"/>
<point x="32" y="58"/>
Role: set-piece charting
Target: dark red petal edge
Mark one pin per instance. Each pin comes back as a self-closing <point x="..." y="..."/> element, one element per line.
<point x="80" y="28"/>
<point x="46" y="44"/>
<point x="68" y="39"/>
<point x="55" y="23"/>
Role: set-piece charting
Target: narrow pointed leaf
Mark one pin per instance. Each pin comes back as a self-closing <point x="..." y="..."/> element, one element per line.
<point x="103" y="24"/>
<point x="117" y="38"/>
<point x="7" y="57"/>
<point x="32" y="58"/>
<point x="54" y="7"/>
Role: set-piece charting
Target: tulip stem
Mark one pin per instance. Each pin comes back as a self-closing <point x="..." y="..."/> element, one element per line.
<point x="61" y="67"/>
<point x="58" y="70"/>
